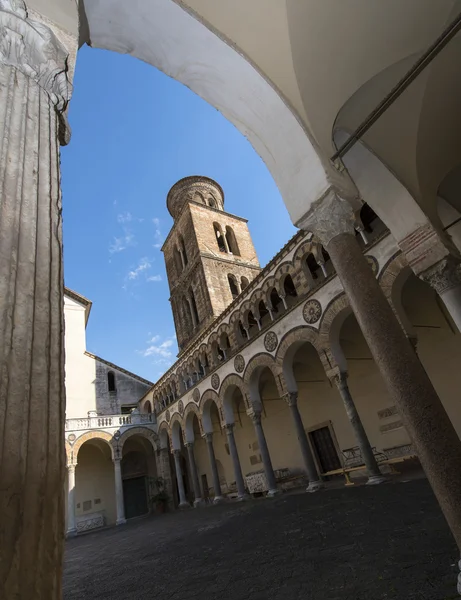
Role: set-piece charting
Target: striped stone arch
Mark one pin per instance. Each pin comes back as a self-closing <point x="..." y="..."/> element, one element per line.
<point x="164" y="436"/>
<point x="391" y="270"/>
<point x="176" y="429"/>
<point x="94" y="435"/>
<point x="69" y="453"/>
<point x="232" y="380"/>
<point x="187" y="420"/>
<point x="267" y="287"/>
<point x="244" y="310"/>
<point x="144" y="432"/>
<point x="255" y="299"/>
<point x="209" y="396"/>
<point x="336" y="306"/>
<point x="286" y="268"/>
<point x="301" y="251"/>
<point x="259" y="361"/>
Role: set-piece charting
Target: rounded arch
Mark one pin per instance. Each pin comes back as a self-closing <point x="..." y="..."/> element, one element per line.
<point x="392" y="278"/>
<point x="93" y="435"/>
<point x="288" y="347"/>
<point x="69" y="453"/>
<point x="144" y="432"/>
<point x="164" y="435"/>
<point x="176" y="431"/>
<point x="146" y="407"/>
<point x="190" y="411"/>
<point x="208" y="398"/>
<point x="330" y="326"/>
<point x="251" y="376"/>
<point x="228" y="386"/>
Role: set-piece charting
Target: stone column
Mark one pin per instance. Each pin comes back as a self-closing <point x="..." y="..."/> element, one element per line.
<point x="198" y="500"/>
<point x="34" y="92"/>
<point x="374" y="474"/>
<point x="242" y="495"/>
<point x="218" y="497"/>
<point x="163" y="468"/>
<point x="119" y="502"/>
<point x="315" y="482"/>
<point x="284" y="302"/>
<point x="71" y="524"/>
<point x="433" y="435"/>
<point x="183" y="503"/>
<point x="269" y="471"/>
<point x="445" y="278"/>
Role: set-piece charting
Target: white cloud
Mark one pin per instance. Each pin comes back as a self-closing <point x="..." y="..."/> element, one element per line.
<point x="159" y="349"/>
<point x="123" y="242"/>
<point x="144" y="264"/>
<point x="125" y="217"/>
<point x="157" y="233"/>
<point x="160" y="352"/>
<point x="154" y="278"/>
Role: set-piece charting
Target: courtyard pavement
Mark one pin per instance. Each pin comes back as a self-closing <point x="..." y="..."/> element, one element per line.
<point x="361" y="543"/>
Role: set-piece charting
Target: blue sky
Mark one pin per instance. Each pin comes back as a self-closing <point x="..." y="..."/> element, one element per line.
<point x="135" y="132"/>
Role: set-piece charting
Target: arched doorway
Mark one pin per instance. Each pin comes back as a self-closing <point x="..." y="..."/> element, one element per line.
<point x="94" y="485"/>
<point x="138" y="475"/>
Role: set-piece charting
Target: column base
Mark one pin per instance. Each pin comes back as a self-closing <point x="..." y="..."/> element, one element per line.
<point x="376" y="480"/>
<point x="272" y="493"/>
<point x="199" y="502"/>
<point x="120" y="521"/>
<point x="219" y="500"/>
<point x="183" y="505"/>
<point x="70" y="533"/>
<point x="243" y="498"/>
<point x="315" y="486"/>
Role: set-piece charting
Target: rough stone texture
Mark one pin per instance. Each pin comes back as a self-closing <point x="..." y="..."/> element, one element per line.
<point x="384" y="543"/>
<point x="33" y="92"/>
<point x="435" y="439"/>
<point x="128" y="389"/>
<point x="207" y="269"/>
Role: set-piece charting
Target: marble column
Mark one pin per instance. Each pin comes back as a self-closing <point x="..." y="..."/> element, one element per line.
<point x="315" y="481"/>
<point x="34" y="92"/>
<point x="374" y="474"/>
<point x="218" y="497"/>
<point x="269" y="471"/>
<point x="119" y="502"/>
<point x="71" y="524"/>
<point x="242" y="495"/>
<point x="183" y="503"/>
<point x="198" y="500"/>
<point x="164" y="470"/>
<point x="433" y="435"/>
<point x="445" y="278"/>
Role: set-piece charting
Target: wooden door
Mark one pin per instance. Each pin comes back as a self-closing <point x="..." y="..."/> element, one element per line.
<point x="325" y="449"/>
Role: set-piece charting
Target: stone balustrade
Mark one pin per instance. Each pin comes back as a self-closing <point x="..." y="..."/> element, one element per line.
<point x="110" y="421"/>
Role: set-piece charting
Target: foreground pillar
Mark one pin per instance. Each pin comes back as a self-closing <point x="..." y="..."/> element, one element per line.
<point x="183" y="503"/>
<point x="119" y="502"/>
<point x="374" y="474"/>
<point x="71" y="523"/>
<point x="445" y="278"/>
<point x="34" y="92"/>
<point x="269" y="471"/>
<point x="315" y="482"/>
<point x="242" y="495"/>
<point x="218" y="497"/>
<point x="198" y="500"/>
<point x="433" y="435"/>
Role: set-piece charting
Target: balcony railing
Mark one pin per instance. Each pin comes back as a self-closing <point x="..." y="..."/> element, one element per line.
<point x="107" y="421"/>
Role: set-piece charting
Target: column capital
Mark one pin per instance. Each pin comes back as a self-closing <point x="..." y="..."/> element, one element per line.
<point x="32" y="48"/>
<point x="444" y="275"/>
<point x="329" y="217"/>
<point x="117" y="459"/>
<point x="175" y="452"/>
<point x="229" y="427"/>
<point x="340" y="379"/>
<point x="71" y="467"/>
<point x="189" y="444"/>
<point x="255" y="417"/>
<point x="208" y="436"/>
<point x="291" y="398"/>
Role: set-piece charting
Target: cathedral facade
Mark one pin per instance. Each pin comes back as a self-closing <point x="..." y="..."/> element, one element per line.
<point x="274" y="386"/>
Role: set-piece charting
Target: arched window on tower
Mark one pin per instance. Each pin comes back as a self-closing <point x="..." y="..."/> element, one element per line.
<point x="187" y="314"/>
<point x="178" y="261"/>
<point x="219" y="237"/>
<point x="233" y="286"/>
<point x="211" y="202"/>
<point x="111" y="381"/>
<point x="194" y="306"/>
<point x="244" y="283"/>
<point x="232" y="241"/>
<point x="182" y="248"/>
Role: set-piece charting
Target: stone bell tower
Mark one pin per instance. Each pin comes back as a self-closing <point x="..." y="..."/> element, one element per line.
<point x="209" y="255"/>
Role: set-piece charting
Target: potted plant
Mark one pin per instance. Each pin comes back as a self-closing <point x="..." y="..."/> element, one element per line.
<point x="160" y="499"/>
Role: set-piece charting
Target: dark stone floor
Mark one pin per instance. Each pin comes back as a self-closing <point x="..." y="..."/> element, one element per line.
<point x="362" y="543"/>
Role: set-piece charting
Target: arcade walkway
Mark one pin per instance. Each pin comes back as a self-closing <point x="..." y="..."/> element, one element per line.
<point x="363" y="543"/>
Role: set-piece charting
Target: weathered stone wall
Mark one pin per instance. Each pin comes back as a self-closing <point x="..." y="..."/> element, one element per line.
<point x="128" y="390"/>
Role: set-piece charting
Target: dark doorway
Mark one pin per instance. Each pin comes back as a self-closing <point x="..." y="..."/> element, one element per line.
<point x="324" y="447"/>
<point x="135" y="497"/>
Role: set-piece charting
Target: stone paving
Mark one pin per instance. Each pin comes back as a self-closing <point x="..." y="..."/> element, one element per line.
<point x="362" y="543"/>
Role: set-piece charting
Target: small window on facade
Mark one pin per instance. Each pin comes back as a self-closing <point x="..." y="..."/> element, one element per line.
<point x="275" y="300"/>
<point x="312" y="266"/>
<point x="219" y="237"/>
<point x="183" y="248"/>
<point x="244" y="283"/>
<point x="232" y="241"/>
<point x="289" y="287"/>
<point x="194" y="305"/>
<point x="233" y="286"/>
<point x="243" y="332"/>
<point x="111" y="381"/>
<point x="211" y="202"/>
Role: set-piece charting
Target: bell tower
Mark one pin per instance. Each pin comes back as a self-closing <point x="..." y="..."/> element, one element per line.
<point x="209" y="255"/>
